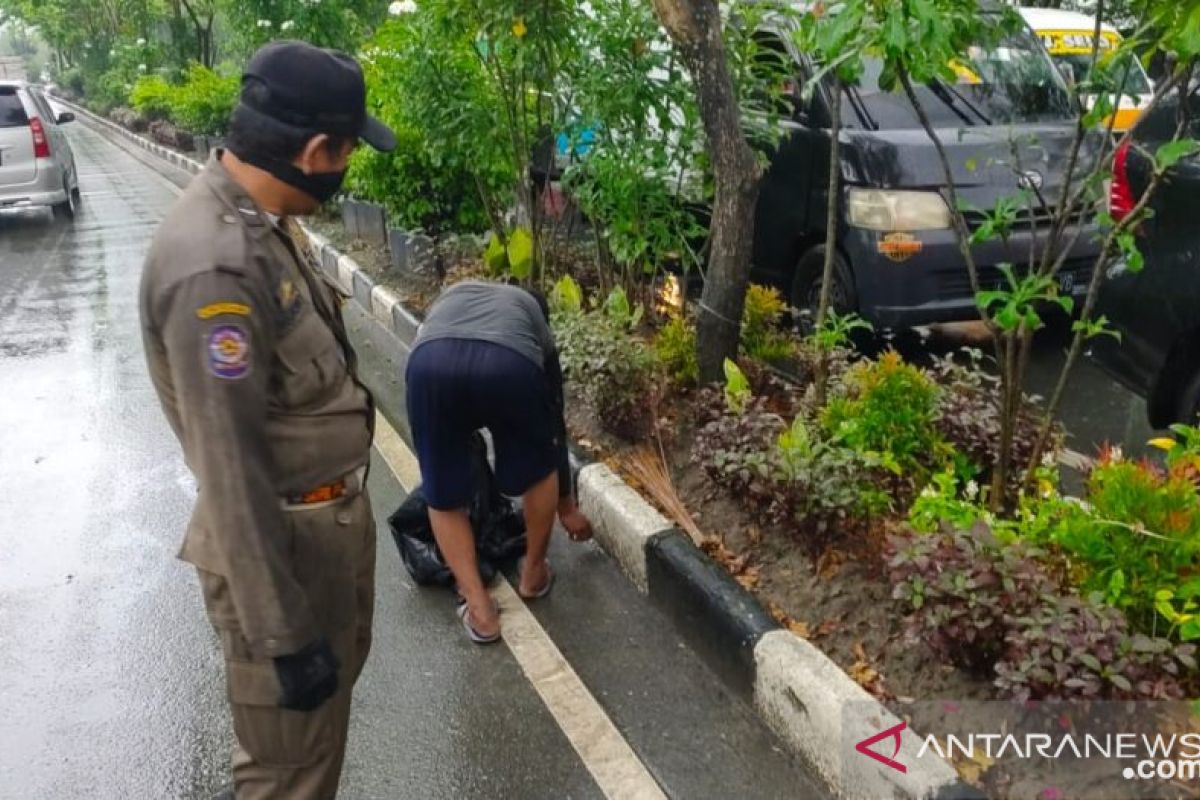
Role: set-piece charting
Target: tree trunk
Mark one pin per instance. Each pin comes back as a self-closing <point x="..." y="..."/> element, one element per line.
<point x="832" y="202"/>
<point x="695" y="28"/>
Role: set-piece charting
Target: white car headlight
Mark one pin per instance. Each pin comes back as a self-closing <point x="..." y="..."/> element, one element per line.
<point x="893" y="211"/>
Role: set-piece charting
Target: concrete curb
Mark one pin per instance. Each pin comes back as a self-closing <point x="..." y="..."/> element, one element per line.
<point x="803" y="696"/>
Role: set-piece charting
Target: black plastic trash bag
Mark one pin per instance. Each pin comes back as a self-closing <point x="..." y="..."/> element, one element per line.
<point x="499" y="528"/>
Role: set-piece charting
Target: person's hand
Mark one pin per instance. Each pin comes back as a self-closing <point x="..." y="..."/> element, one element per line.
<point x="309" y="677"/>
<point x="577" y="525"/>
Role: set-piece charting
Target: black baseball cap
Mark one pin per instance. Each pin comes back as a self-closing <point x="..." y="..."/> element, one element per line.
<point x="310" y="87"/>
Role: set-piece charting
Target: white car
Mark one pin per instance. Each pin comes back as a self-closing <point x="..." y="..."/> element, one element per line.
<point x="37" y="167"/>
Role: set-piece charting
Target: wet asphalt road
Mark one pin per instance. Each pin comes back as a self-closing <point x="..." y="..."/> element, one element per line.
<point x="111" y="682"/>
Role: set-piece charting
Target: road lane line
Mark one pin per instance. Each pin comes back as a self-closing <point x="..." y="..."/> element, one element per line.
<point x="608" y="757"/>
<point x="613" y="764"/>
<point x="396" y="453"/>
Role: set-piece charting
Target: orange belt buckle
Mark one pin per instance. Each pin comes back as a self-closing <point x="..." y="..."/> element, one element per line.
<point x="322" y="494"/>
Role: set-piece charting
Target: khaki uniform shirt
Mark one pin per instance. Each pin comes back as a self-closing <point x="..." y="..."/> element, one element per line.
<point x="248" y="353"/>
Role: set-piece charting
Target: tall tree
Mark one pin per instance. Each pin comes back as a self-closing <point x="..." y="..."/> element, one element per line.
<point x="199" y="17"/>
<point x="695" y="27"/>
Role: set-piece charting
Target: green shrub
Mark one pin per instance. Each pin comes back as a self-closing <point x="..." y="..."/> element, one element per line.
<point x="969" y="420"/>
<point x="1140" y="537"/>
<point x="73" y="80"/>
<point x="107" y="91"/>
<point x="998" y="609"/>
<point x="203" y="103"/>
<point x="151" y="97"/>
<point x="762" y="335"/>
<point x="628" y="192"/>
<point x="888" y="408"/>
<point x="454" y="160"/>
<point x="417" y="194"/>
<point x="566" y="297"/>
<point x="616" y="371"/>
<point x="818" y="489"/>
<point x="675" y="347"/>
<point x="1134" y="542"/>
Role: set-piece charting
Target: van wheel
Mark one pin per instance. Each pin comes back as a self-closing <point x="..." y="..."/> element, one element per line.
<point x="806" y="286"/>
<point x="66" y="209"/>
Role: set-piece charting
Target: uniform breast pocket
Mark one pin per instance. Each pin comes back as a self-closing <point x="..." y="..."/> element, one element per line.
<point x="311" y="362"/>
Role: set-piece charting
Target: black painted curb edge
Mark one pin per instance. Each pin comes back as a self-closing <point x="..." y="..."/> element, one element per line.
<point x="721" y="620"/>
<point x="718" y="617"/>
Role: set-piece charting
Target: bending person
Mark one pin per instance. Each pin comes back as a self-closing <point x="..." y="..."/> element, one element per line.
<point x="485" y="358"/>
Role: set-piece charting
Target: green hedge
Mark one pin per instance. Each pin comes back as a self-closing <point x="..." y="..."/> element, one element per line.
<point x="201" y="104"/>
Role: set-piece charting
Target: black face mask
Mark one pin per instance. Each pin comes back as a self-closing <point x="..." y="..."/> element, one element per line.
<point x="320" y="186"/>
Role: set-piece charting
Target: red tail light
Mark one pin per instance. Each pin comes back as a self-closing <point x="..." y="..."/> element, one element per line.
<point x="41" y="145"/>
<point x="1121" y="201"/>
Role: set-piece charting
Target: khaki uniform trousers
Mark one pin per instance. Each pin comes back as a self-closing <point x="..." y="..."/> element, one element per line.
<point x="296" y="755"/>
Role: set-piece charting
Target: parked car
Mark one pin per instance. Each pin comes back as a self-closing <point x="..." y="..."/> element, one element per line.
<point x="1157" y="310"/>
<point x="37" y="167"/>
<point x="1070" y="38"/>
<point x="1007" y="124"/>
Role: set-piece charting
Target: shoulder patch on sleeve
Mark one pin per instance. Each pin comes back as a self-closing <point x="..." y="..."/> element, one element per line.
<point x="228" y="349"/>
<point x="217" y="309"/>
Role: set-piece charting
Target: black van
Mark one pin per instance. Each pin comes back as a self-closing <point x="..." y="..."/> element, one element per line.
<point x="1157" y="310"/>
<point x="1007" y="125"/>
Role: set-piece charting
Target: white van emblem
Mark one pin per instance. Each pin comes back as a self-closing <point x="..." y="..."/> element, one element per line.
<point x="1030" y="179"/>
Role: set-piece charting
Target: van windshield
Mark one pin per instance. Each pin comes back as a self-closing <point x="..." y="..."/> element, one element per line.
<point x="1014" y="83"/>
<point x="1136" y="84"/>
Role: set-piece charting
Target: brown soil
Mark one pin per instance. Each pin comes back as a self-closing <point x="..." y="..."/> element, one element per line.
<point x="841" y="602"/>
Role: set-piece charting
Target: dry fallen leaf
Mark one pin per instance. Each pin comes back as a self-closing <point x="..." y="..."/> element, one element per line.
<point x="830" y="564"/>
<point x="971" y="769"/>
<point x="863" y="674"/>
<point x="777" y="613"/>
<point x="737" y="564"/>
<point x="748" y="577"/>
<point x="754" y="534"/>
<point x="825" y="628"/>
<point x="799" y="628"/>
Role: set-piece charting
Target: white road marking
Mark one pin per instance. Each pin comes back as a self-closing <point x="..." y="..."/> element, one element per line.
<point x="614" y="766"/>
<point x="396" y="453"/>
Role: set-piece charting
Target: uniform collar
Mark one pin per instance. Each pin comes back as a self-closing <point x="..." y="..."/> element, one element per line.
<point x="239" y="205"/>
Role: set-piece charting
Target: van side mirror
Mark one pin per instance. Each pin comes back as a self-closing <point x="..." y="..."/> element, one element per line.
<point x="66" y="116"/>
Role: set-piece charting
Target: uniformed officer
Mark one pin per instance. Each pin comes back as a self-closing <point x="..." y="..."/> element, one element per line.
<point x="249" y="355"/>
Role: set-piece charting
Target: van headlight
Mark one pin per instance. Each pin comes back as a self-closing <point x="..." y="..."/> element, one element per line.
<point x="883" y="210"/>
